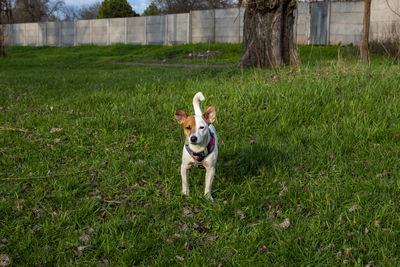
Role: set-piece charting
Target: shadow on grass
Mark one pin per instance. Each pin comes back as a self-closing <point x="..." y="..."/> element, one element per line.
<point x="243" y="163"/>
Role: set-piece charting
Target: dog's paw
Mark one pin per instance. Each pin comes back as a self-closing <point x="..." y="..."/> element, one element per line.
<point x="185" y="192"/>
<point x="209" y="197"/>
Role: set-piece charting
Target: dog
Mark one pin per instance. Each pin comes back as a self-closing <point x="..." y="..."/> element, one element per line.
<point x="201" y="145"/>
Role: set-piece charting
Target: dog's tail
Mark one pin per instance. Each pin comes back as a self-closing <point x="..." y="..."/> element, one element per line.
<point x="196" y="103"/>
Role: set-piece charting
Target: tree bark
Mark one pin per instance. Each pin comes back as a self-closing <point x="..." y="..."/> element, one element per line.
<point x="2" y="42"/>
<point x="364" y="50"/>
<point x="268" y="37"/>
<point x="5" y="18"/>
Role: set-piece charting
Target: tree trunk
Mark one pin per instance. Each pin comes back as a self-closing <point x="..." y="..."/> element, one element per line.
<point x="2" y="42"/>
<point x="268" y="37"/>
<point x="364" y="51"/>
<point x="5" y="18"/>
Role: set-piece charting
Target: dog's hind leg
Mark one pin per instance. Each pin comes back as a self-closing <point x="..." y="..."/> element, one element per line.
<point x="185" y="173"/>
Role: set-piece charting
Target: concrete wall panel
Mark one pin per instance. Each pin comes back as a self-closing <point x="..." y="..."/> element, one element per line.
<point x="136" y="30"/>
<point x="100" y="31"/>
<point x="155" y="30"/>
<point x="347" y="7"/>
<point x="53" y="33"/>
<point x="83" y="32"/>
<point x="177" y="28"/>
<point x="31" y="34"/>
<point x="18" y="34"/>
<point x="118" y="31"/>
<point x="67" y="33"/>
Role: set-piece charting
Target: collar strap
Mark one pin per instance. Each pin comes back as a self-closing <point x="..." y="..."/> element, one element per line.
<point x="199" y="157"/>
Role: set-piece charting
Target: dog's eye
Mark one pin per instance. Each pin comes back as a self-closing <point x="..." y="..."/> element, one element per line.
<point x="188" y="127"/>
<point x="201" y="127"/>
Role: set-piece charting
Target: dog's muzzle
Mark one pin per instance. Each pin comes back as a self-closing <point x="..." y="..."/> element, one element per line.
<point x="193" y="139"/>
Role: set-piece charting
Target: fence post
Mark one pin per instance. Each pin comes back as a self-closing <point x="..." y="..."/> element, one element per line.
<point x="328" y="25"/>
<point x="37" y="35"/>
<point x="239" y="25"/>
<point x="90" y="32"/>
<point x="75" y="32"/>
<point x="166" y="30"/>
<point x="59" y="33"/>
<point x="126" y="30"/>
<point x="214" y="27"/>
<point x="189" y="28"/>
<point x="24" y="34"/>
<point x="145" y="30"/>
<point x="45" y="34"/>
<point x="108" y="32"/>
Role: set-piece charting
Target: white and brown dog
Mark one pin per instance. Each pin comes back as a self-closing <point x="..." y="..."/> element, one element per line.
<point x="201" y="145"/>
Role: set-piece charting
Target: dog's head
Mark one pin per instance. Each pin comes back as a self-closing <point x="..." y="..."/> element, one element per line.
<point x="196" y="127"/>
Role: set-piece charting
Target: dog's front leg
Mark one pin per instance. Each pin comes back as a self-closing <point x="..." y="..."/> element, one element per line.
<point x="184" y="173"/>
<point x="210" y="173"/>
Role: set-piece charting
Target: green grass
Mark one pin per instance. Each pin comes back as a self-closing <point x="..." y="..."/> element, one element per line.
<point x="136" y="53"/>
<point x="318" y="144"/>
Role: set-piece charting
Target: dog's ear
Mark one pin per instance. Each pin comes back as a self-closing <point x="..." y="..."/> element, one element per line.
<point x="180" y="116"/>
<point x="209" y="114"/>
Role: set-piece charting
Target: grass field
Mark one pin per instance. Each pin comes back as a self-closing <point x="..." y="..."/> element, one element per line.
<point x="90" y="151"/>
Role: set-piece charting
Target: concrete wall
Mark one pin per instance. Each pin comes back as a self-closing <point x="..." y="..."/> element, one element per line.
<point x="302" y="26"/>
<point x="203" y="26"/>
<point x="344" y="24"/>
<point x="136" y="30"/>
<point x="100" y="31"/>
<point x="155" y="29"/>
<point x="228" y="25"/>
<point x="118" y="34"/>
<point x="217" y="25"/>
<point x="384" y="22"/>
<point x="83" y="32"/>
<point x="178" y="29"/>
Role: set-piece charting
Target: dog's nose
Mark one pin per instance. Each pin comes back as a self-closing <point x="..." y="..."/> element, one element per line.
<point x="193" y="139"/>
